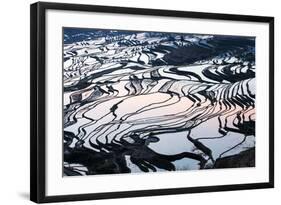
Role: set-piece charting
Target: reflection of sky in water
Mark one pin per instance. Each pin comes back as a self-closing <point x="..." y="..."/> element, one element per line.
<point x="121" y="86"/>
<point x="177" y="142"/>
<point x="169" y="144"/>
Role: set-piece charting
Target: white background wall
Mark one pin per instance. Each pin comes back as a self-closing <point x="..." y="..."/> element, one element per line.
<point x="14" y="100"/>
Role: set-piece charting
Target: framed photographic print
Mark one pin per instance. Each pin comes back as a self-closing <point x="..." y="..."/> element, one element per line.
<point x="129" y="102"/>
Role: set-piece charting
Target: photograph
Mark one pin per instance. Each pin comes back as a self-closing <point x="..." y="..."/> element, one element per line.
<point x="151" y="101"/>
<point x="134" y="102"/>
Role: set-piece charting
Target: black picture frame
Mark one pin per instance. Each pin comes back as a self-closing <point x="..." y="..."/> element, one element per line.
<point x="38" y="101"/>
